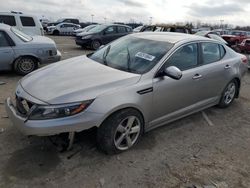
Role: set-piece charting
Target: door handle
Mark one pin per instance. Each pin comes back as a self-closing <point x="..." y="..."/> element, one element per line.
<point x="197" y="76"/>
<point x="227" y="67"/>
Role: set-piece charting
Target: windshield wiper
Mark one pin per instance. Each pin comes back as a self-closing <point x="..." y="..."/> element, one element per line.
<point x="105" y="54"/>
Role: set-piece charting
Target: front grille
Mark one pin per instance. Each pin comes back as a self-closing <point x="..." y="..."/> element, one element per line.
<point x="23" y="106"/>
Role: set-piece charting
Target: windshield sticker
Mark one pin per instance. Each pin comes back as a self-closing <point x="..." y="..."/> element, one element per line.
<point x="145" y="56"/>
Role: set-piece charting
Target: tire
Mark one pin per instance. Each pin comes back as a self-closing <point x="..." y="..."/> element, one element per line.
<point x="120" y="131"/>
<point x="25" y="65"/>
<point x="228" y="94"/>
<point x="56" y="32"/>
<point x="95" y="44"/>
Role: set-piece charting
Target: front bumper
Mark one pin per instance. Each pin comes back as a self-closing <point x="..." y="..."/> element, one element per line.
<point x="51" y="59"/>
<point x="76" y="123"/>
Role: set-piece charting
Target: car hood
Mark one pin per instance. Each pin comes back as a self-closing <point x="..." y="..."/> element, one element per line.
<point x="75" y="80"/>
<point x="85" y="34"/>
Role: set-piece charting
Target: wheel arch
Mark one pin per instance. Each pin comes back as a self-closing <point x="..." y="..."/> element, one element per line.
<point x="238" y="84"/>
<point x="121" y="108"/>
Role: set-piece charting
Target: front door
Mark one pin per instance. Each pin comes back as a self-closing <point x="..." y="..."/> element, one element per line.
<point x="173" y="98"/>
<point x="109" y="34"/>
<point x="6" y="52"/>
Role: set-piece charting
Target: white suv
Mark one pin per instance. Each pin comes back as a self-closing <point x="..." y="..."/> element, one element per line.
<point x="28" y="24"/>
<point x="63" y="29"/>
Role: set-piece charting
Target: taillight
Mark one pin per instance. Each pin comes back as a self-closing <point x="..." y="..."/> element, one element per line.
<point x="244" y="60"/>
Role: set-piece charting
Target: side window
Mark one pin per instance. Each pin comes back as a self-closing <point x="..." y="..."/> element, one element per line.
<point x="210" y="52"/>
<point x="110" y="30"/>
<point x="27" y="21"/>
<point x="3" y="40"/>
<point x="9" y="20"/>
<point x="184" y="58"/>
<point x="222" y="51"/>
<point x="121" y="29"/>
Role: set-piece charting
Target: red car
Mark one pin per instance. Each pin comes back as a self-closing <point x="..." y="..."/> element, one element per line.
<point x="235" y="37"/>
<point x="244" y="46"/>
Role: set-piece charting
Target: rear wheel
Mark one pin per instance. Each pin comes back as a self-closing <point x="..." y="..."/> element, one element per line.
<point x="120" y="131"/>
<point x="25" y="65"/>
<point x="228" y="94"/>
<point x="95" y="44"/>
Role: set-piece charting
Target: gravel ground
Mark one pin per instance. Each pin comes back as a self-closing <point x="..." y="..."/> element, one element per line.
<point x="186" y="153"/>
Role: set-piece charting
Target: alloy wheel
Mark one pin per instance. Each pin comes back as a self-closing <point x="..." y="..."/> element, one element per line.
<point x="127" y="133"/>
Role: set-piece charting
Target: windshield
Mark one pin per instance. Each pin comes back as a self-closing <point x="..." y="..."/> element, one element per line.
<point x="132" y="54"/>
<point x="98" y="28"/>
<point x="21" y="35"/>
<point x="88" y="28"/>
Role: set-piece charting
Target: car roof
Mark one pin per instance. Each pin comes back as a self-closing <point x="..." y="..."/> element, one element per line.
<point x="4" y="26"/>
<point x="170" y="37"/>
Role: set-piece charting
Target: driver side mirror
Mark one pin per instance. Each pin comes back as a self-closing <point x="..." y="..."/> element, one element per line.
<point x="173" y="72"/>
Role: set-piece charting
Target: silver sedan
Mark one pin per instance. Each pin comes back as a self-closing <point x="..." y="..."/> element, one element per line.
<point x="130" y="86"/>
<point x="23" y="53"/>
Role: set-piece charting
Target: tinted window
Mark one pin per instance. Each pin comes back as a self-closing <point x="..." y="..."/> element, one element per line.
<point x="247" y="42"/>
<point x="110" y="30"/>
<point x="3" y="40"/>
<point x="121" y="29"/>
<point x="210" y="52"/>
<point x="27" y="21"/>
<point x="184" y="58"/>
<point x="9" y="20"/>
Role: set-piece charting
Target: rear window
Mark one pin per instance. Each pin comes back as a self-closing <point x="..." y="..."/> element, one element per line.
<point x="9" y="20"/>
<point x="27" y="21"/>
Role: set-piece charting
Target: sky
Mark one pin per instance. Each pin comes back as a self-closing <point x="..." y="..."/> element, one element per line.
<point x="158" y="11"/>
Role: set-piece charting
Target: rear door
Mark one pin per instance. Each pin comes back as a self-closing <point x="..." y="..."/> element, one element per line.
<point x="217" y="70"/>
<point x="6" y="52"/>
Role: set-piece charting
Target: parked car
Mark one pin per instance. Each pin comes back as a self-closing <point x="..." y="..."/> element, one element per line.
<point x="83" y="30"/>
<point x="211" y="35"/>
<point x="29" y="24"/>
<point x="62" y="29"/>
<point x="244" y="46"/>
<point x="23" y="53"/>
<point x="101" y="35"/>
<point x="44" y="22"/>
<point x="130" y="86"/>
<point x="137" y="29"/>
<point x="165" y="28"/>
<point x="62" y="20"/>
<point x="235" y="37"/>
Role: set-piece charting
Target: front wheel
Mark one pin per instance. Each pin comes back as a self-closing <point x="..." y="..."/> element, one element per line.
<point x="228" y="94"/>
<point x="25" y="65"/>
<point x="120" y="131"/>
<point x="95" y="44"/>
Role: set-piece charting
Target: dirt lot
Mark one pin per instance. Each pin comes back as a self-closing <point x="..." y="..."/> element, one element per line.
<point x="187" y="153"/>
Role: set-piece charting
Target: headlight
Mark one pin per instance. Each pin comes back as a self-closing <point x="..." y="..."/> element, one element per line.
<point x="58" y="111"/>
<point x="87" y="37"/>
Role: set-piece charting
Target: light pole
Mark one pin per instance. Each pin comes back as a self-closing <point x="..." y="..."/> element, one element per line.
<point x="221" y="23"/>
<point x="92" y="16"/>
